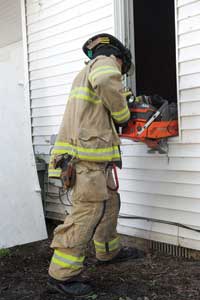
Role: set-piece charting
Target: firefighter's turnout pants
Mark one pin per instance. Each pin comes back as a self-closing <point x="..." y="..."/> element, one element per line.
<point x="94" y="216"/>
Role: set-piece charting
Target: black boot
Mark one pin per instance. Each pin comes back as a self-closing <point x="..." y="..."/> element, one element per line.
<point x="124" y="254"/>
<point x="72" y="287"/>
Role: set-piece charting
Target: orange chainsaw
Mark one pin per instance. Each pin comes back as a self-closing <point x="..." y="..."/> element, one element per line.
<point x="152" y="120"/>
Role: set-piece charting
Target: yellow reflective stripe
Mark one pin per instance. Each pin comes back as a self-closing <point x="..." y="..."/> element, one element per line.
<point x="123" y="118"/>
<point x="103" y="70"/>
<point x="116" y="240"/>
<point x="70" y="257"/>
<point x="112" y="245"/>
<point x="86" y="98"/>
<point x="102" y="245"/>
<point x="92" y="158"/>
<point x="103" y="73"/>
<point x="89" y="150"/>
<point x="117" y="113"/>
<point x="85" y="89"/>
<point x="67" y="261"/>
<point x="64" y="264"/>
<point x="54" y="174"/>
<point x="91" y="154"/>
<point x="121" y="115"/>
<point x="86" y="94"/>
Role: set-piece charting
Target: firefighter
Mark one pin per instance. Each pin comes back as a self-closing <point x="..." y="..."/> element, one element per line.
<point x="88" y="135"/>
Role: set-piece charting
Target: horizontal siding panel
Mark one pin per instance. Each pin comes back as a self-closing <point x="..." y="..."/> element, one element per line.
<point x="189" y="10"/>
<point x="189" y="67"/>
<point x="163" y="163"/>
<point x="191" y="94"/>
<point x="56" y="60"/>
<point x="49" y="101"/>
<point x="42" y="140"/>
<point x="171" y="215"/>
<point x="191" y="136"/>
<point x="189" y="39"/>
<point x="189" y="81"/>
<point x="42" y="149"/>
<point x="138" y="149"/>
<point x="56" y="70"/>
<point x="160" y="175"/>
<point x="190" y="108"/>
<point x="71" y="35"/>
<point x="189" y="24"/>
<point x="189" y="53"/>
<point x="174" y="150"/>
<point x="161" y="201"/>
<point x="160" y="228"/>
<point x="45" y="130"/>
<point x="191" y="122"/>
<point x="185" y="2"/>
<point x="54" y="207"/>
<point x="191" y="242"/>
<point x="33" y="7"/>
<point x="47" y="121"/>
<point x="64" y="79"/>
<point x="51" y="91"/>
<point x="48" y="111"/>
<point x="148" y="234"/>
<point x="65" y="21"/>
<point x="147" y="225"/>
<point x="160" y="188"/>
<point x="54" y="14"/>
<point x="184" y="150"/>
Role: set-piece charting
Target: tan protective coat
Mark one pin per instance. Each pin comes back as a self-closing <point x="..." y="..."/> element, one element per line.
<point x="96" y="101"/>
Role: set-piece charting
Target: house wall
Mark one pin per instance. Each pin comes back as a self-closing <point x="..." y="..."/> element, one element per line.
<point x="56" y="32"/>
<point x="160" y="186"/>
<point x="166" y="187"/>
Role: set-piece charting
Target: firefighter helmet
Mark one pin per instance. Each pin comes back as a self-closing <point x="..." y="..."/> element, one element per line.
<point x="106" y="44"/>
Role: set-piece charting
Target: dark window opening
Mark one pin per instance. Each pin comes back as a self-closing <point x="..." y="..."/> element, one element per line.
<point x="155" y="54"/>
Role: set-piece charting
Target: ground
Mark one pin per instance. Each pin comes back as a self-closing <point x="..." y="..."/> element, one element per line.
<point x="23" y="275"/>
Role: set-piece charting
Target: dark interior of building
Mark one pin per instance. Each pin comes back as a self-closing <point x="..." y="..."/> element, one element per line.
<point x="155" y="55"/>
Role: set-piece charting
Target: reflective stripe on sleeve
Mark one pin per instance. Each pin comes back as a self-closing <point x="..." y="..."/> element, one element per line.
<point x="99" y="71"/>
<point x="86" y="94"/>
<point x="112" y="245"/>
<point x="122" y="115"/>
<point x="67" y="261"/>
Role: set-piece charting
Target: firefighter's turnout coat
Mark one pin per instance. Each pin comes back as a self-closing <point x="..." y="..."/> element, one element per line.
<point x="88" y="132"/>
<point x="95" y="103"/>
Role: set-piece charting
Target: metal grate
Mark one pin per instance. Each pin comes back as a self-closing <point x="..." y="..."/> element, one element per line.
<point x="170" y="249"/>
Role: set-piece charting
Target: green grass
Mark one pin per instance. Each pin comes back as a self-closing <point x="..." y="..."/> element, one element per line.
<point x="4" y="252"/>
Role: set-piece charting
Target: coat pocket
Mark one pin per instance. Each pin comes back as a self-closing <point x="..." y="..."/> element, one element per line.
<point x="92" y="138"/>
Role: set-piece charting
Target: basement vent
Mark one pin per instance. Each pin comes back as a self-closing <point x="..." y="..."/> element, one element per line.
<point x="170" y="249"/>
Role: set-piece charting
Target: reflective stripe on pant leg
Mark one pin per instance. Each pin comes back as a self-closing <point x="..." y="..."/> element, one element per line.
<point x="107" y="246"/>
<point x="67" y="261"/>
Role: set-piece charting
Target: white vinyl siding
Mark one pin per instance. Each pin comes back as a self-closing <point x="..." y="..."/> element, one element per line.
<point x="167" y="186"/>
<point x="56" y="32"/>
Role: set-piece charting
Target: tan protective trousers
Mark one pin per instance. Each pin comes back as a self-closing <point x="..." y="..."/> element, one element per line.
<point x="94" y="216"/>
